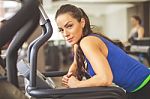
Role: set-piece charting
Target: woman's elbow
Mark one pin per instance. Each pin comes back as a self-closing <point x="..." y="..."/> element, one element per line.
<point x="105" y="81"/>
<point x="109" y="83"/>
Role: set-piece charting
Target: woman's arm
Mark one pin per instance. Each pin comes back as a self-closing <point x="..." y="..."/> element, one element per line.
<point x="72" y="68"/>
<point x="71" y="71"/>
<point x="140" y="32"/>
<point x="94" y="50"/>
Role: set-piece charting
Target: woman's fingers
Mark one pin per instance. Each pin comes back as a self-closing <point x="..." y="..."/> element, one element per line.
<point x="65" y="79"/>
<point x="65" y="85"/>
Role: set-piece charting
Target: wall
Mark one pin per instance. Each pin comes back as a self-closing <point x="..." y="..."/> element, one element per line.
<point x="115" y="25"/>
<point x="98" y="22"/>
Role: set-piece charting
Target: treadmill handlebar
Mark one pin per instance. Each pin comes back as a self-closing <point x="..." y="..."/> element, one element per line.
<point x="56" y="93"/>
<point x="141" y="42"/>
<point x="55" y="73"/>
<point x="44" y="16"/>
<point x="34" y="52"/>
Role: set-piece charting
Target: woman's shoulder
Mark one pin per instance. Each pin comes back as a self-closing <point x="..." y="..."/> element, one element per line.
<point x="91" y="41"/>
<point x="141" y="28"/>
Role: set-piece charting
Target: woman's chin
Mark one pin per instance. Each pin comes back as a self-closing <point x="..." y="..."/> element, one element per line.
<point x="72" y="43"/>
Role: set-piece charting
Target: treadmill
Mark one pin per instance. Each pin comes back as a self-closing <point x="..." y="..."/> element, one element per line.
<point x="140" y="48"/>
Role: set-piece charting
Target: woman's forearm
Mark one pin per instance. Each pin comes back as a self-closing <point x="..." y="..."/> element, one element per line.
<point x="72" y="68"/>
<point x="95" y="81"/>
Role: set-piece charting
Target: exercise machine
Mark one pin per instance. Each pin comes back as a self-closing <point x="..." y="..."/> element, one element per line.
<point x="140" y="48"/>
<point x="26" y="20"/>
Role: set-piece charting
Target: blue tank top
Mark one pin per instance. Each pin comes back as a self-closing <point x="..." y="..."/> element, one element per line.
<point x="127" y="72"/>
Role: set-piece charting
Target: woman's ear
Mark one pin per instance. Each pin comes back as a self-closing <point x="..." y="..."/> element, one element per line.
<point x="82" y="22"/>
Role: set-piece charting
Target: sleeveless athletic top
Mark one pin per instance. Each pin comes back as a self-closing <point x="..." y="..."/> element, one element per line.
<point x="127" y="72"/>
<point x="134" y="34"/>
<point x="131" y="39"/>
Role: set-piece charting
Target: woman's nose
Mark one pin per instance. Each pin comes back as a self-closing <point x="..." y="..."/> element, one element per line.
<point x="66" y="34"/>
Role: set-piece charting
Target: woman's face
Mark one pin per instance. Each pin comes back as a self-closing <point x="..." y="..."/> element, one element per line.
<point x="134" y="22"/>
<point x="70" y="27"/>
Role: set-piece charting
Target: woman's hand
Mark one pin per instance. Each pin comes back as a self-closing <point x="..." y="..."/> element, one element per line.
<point x="73" y="82"/>
<point x="66" y="78"/>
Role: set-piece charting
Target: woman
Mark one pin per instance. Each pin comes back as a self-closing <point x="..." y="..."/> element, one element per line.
<point x="106" y="62"/>
<point x="137" y="31"/>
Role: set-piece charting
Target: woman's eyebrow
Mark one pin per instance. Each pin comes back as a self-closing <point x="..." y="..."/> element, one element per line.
<point x="59" y="28"/>
<point x="67" y="23"/>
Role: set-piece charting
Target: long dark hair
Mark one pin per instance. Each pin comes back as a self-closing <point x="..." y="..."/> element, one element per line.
<point x="78" y="13"/>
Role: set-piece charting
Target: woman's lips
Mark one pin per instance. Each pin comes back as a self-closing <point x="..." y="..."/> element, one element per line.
<point x="69" y="39"/>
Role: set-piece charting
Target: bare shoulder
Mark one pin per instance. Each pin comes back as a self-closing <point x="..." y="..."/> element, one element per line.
<point x="91" y="42"/>
<point x="141" y="28"/>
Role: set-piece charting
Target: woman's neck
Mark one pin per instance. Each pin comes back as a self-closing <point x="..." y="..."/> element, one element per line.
<point x="137" y="26"/>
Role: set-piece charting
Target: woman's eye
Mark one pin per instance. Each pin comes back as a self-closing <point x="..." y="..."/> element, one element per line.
<point x="60" y="30"/>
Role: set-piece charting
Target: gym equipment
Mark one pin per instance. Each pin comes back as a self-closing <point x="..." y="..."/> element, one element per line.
<point x="140" y="48"/>
<point x="9" y="91"/>
<point x="21" y="36"/>
<point x="26" y="20"/>
<point x="24" y="66"/>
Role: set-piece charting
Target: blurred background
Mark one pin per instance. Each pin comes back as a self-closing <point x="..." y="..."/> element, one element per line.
<point x="111" y="17"/>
